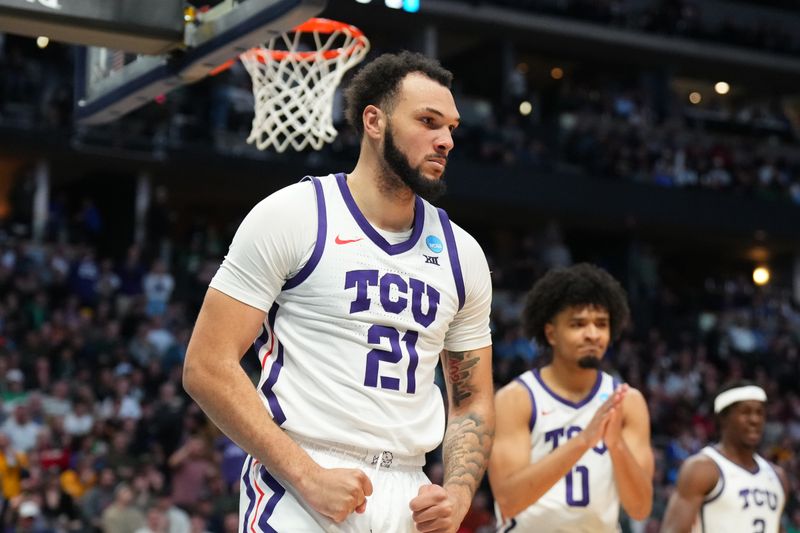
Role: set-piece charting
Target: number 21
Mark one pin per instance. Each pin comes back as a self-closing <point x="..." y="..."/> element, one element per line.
<point x="374" y="336"/>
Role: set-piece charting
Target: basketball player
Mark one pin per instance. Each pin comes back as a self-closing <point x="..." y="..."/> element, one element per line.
<point x="571" y="444"/>
<point x="728" y="486"/>
<point x="353" y="285"/>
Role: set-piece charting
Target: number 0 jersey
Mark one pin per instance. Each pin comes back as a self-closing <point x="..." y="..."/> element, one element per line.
<point x="742" y="500"/>
<point x="356" y="322"/>
<point x="586" y="499"/>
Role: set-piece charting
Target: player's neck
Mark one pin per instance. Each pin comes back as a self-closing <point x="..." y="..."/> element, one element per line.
<point x="741" y="455"/>
<point x="568" y="381"/>
<point x="387" y="210"/>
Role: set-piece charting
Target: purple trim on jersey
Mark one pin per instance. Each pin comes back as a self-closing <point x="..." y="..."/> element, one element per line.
<point x="780" y="481"/>
<point x="262" y="339"/>
<point x="319" y="246"/>
<point x="370" y="232"/>
<point x="249" y="491"/>
<point x="533" y="403"/>
<point x="721" y="487"/>
<point x="511" y="526"/>
<point x="452" y="251"/>
<point x="274" y="372"/>
<point x="615" y="383"/>
<point x="751" y="472"/>
<point x="277" y="493"/>
<point x="574" y="405"/>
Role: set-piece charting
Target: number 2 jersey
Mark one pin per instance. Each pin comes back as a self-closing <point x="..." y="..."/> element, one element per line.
<point x="741" y="500"/>
<point x="356" y="317"/>
<point x="586" y="499"/>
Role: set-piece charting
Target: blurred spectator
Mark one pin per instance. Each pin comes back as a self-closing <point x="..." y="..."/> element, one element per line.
<point x="121" y="516"/>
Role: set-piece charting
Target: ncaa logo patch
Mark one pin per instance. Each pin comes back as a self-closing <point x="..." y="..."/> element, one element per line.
<point x="434" y="244"/>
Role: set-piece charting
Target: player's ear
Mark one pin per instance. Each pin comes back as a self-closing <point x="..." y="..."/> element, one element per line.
<point x="549" y="333"/>
<point x="374" y="121"/>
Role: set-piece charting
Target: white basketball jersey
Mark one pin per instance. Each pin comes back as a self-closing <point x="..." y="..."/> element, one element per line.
<point x="742" y="500"/>
<point x="350" y="347"/>
<point x="586" y="499"/>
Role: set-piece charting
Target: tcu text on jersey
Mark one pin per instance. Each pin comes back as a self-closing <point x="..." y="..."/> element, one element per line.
<point x="758" y="498"/>
<point x="361" y="280"/>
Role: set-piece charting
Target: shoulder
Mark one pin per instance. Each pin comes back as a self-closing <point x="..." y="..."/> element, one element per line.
<point x="699" y="473"/>
<point x="513" y="401"/>
<point x="465" y="241"/>
<point x="288" y="198"/>
<point x="782" y="476"/>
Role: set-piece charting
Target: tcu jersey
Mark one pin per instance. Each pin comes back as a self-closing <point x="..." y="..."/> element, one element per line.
<point x="586" y="499"/>
<point x="744" y="501"/>
<point x="350" y="347"/>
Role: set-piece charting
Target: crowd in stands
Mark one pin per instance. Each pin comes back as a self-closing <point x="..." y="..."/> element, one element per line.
<point x="585" y="124"/>
<point x="96" y="433"/>
<point x="677" y="18"/>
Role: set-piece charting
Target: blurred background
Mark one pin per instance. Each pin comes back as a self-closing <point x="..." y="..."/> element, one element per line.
<point x="655" y="138"/>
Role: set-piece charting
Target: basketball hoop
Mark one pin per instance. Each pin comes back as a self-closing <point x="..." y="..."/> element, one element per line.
<point x="295" y="76"/>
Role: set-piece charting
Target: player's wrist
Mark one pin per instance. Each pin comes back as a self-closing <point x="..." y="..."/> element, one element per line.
<point x="461" y="497"/>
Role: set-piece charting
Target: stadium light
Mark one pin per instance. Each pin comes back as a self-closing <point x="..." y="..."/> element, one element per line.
<point x="556" y="73"/>
<point x="525" y="108"/>
<point x="42" y="41"/>
<point x="722" y="87"/>
<point x="761" y="275"/>
<point x="695" y="97"/>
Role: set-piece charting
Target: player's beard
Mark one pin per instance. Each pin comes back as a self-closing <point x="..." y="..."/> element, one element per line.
<point x="590" y="361"/>
<point x="398" y="165"/>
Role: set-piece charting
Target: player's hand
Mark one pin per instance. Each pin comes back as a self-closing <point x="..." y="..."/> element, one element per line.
<point x="337" y="492"/>
<point x="613" y="432"/>
<point x="436" y="510"/>
<point x="595" y="430"/>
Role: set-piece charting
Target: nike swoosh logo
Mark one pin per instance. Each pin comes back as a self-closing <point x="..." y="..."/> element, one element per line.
<point x="545" y="413"/>
<point x="339" y="240"/>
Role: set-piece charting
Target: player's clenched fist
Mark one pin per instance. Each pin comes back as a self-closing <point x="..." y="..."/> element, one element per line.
<point x="337" y="492"/>
<point x="435" y="511"/>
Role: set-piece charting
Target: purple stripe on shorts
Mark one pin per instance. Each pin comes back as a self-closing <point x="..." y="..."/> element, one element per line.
<point x="533" y="403"/>
<point x="249" y="491"/>
<point x="274" y="372"/>
<point x="452" y="252"/>
<point x="371" y="233"/>
<point x="319" y="246"/>
<point x="277" y="493"/>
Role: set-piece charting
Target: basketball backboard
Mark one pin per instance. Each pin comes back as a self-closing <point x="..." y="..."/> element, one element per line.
<point x="143" y="49"/>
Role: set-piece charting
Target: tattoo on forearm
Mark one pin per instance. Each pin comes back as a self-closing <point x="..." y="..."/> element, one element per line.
<point x="467" y="445"/>
<point x="459" y="371"/>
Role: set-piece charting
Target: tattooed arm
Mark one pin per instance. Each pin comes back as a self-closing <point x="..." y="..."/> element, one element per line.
<point x="467" y="441"/>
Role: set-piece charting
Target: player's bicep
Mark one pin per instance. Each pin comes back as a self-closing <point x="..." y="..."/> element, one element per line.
<point x="225" y="329"/>
<point x="468" y="376"/>
<point x="512" y="442"/>
<point x="696" y="479"/>
<point x="636" y="430"/>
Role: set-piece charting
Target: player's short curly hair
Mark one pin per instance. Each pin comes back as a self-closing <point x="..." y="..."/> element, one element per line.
<point x="378" y="82"/>
<point x="576" y="286"/>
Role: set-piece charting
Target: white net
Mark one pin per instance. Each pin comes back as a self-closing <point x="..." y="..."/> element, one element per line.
<point x="295" y="76"/>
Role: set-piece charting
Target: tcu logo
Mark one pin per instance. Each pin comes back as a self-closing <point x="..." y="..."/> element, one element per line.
<point x="759" y="498"/>
<point x="405" y="292"/>
<point x="52" y="4"/>
<point x="556" y="434"/>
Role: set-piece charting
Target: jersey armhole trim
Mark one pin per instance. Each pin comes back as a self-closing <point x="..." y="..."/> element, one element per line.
<point x="532" y="421"/>
<point x="715" y="492"/>
<point x="319" y="245"/>
<point x="452" y="252"/>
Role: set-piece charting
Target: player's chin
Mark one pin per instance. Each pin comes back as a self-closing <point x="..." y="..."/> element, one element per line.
<point x="590" y="361"/>
<point x="433" y="170"/>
